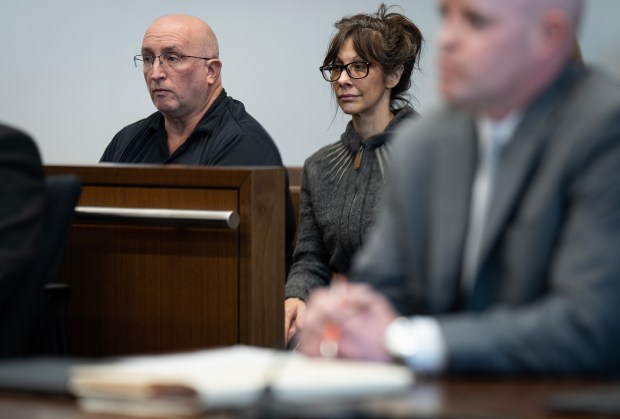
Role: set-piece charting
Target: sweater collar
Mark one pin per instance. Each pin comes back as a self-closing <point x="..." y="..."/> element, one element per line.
<point x="353" y="140"/>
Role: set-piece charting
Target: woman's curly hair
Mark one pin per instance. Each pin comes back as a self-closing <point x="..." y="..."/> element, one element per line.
<point x="384" y="38"/>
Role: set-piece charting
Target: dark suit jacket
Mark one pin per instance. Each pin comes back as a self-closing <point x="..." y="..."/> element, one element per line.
<point x="546" y="296"/>
<point x="22" y="201"/>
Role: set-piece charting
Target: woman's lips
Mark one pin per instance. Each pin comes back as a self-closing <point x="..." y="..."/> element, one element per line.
<point x="348" y="98"/>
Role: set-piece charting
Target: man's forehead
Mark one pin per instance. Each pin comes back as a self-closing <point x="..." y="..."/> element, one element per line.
<point x="165" y="39"/>
<point x="490" y="6"/>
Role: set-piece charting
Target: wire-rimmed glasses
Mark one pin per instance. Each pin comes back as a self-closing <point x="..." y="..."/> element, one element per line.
<point x="168" y="59"/>
<point x="355" y="70"/>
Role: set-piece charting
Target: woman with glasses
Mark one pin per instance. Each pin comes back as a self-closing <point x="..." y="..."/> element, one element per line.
<point x="369" y="63"/>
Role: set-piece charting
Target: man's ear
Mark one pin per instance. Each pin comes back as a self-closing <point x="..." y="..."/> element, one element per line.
<point x="393" y="78"/>
<point x="555" y="30"/>
<point x="214" y="68"/>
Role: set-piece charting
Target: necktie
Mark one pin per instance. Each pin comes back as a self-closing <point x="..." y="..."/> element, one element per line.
<point x="481" y="198"/>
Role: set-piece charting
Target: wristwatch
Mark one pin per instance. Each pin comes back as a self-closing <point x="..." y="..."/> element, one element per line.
<point x="399" y="340"/>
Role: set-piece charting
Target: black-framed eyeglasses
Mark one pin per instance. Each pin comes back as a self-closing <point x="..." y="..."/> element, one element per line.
<point x="169" y="59"/>
<point x="355" y="70"/>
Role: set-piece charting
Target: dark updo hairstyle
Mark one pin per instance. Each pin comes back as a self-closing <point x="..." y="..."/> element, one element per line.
<point x="389" y="40"/>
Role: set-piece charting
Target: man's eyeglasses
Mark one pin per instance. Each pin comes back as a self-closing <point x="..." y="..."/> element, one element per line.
<point x="169" y="60"/>
<point x="355" y="70"/>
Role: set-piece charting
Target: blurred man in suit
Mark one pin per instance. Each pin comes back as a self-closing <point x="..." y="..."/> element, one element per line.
<point x="497" y="249"/>
<point x="22" y="190"/>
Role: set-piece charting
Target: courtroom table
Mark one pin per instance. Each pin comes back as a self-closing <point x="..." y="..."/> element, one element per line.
<point x="429" y="398"/>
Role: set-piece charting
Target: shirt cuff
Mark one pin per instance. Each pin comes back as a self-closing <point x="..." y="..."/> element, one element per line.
<point x="430" y="354"/>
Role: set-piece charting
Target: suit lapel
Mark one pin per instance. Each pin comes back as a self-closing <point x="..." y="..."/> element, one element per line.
<point x="515" y="165"/>
<point x="453" y="173"/>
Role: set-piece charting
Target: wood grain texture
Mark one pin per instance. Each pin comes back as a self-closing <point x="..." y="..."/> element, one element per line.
<point x="146" y="289"/>
<point x="262" y="281"/>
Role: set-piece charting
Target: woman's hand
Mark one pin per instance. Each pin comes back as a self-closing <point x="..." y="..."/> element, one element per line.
<point x="294" y="314"/>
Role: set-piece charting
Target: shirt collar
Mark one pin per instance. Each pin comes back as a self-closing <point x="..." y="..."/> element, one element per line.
<point x="204" y="123"/>
<point x="502" y="131"/>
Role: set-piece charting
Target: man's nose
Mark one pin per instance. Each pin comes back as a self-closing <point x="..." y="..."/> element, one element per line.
<point x="158" y="69"/>
<point x="449" y="33"/>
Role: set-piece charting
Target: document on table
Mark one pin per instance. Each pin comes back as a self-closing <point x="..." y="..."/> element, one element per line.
<point x="233" y="377"/>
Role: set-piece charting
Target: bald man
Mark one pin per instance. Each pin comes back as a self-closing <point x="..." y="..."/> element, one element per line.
<point x="196" y="122"/>
<point x="497" y="249"/>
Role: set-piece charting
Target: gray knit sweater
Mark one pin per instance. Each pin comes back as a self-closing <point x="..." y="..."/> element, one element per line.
<point x="340" y="186"/>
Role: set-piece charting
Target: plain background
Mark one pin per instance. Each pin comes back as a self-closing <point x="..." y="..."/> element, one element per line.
<point x="67" y="75"/>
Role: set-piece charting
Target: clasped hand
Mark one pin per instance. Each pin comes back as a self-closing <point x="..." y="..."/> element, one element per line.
<point x="346" y="321"/>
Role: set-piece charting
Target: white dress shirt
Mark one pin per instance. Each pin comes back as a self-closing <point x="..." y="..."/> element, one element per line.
<point x="429" y="351"/>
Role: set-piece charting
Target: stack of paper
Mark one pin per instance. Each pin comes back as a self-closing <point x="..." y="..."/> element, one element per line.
<point x="234" y="377"/>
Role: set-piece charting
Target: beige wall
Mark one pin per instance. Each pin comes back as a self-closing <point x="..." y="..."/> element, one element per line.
<point x="67" y="76"/>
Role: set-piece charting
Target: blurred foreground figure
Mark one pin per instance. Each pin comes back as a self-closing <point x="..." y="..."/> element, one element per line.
<point x="499" y="235"/>
<point x="22" y="206"/>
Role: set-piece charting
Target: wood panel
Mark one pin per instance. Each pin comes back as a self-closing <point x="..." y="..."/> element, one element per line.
<point x="294" y="177"/>
<point x="144" y="289"/>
